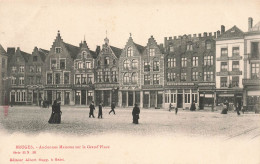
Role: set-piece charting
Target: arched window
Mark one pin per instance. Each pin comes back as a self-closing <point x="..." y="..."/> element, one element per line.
<point x="129" y="52"/>
<point x="126" y="64"/>
<point x="134" y="78"/>
<point x="126" y="78"/>
<point x="134" y="64"/>
<point x="106" y="60"/>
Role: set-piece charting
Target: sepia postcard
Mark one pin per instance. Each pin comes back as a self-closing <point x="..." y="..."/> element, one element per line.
<point x="135" y="82"/>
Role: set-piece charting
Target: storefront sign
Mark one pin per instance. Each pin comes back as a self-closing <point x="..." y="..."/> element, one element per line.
<point x="175" y="84"/>
<point x="152" y="86"/>
<point x="206" y="84"/>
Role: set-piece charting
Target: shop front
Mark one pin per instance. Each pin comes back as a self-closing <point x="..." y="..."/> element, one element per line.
<point x="62" y="93"/>
<point x="106" y="93"/>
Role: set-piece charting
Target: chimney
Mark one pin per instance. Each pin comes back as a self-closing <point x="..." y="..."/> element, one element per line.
<point x="97" y="50"/>
<point x="205" y="34"/>
<point x="218" y="33"/>
<point x="210" y="34"/>
<point x="189" y="36"/>
<point x="250" y="23"/>
<point x="199" y="35"/>
<point x="222" y="29"/>
<point x="194" y="35"/>
<point x="175" y="37"/>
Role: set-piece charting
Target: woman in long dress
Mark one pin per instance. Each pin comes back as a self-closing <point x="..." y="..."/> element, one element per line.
<point x="56" y="113"/>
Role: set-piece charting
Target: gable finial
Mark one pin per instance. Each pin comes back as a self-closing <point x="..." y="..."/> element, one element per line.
<point x="130" y="34"/>
<point x="84" y="38"/>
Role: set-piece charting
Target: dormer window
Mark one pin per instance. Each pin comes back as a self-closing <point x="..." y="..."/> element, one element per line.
<point x="57" y="50"/>
<point x="129" y="52"/>
<point x="84" y="54"/>
<point x="106" y="60"/>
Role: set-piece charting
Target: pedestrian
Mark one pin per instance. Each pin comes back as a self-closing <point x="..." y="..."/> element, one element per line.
<point x="238" y="107"/>
<point x="112" y="108"/>
<point x="193" y="106"/>
<point x="135" y="114"/>
<point x="56" y="113"/>
<point x="227" y="104"/>
<point x="40" y="102"/>
<point x="170" y="107"/>
<point x="91" y="111"/>
<point x="225" y="109"/>
<point x="100" y="110"/>
<point x="176" y="110"/>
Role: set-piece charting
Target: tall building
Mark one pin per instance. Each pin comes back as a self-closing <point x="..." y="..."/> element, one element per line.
<point x="84" y="69"/>
<point x="229" y="65"/>
<point x="59" y="72"/>
<point x="152" y="75"/>
<point x="17" y="62"/>
<point x="4" y="79"/>
<point x="34" y="69"/>
<point x="106" y="82"/>
<point x="130" y="74"/>
<point x="190" y="70"/>
<point x="251" y="80"/>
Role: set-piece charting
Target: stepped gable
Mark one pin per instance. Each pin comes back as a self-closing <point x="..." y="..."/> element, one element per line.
<point x="73" y="50"/>
<point x="117" y="51"/>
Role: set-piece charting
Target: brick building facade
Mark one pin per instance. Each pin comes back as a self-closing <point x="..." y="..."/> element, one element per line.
<point x="190" y="70"/>
<point x="130" y="74"/>
<point x="4" y="82"/>
<point x="106" y="77"/>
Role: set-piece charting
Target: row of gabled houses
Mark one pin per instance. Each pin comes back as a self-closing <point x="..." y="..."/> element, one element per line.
<point x="207" y="68"/>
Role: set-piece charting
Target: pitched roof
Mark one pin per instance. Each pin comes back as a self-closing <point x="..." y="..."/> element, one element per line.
<point x="10" y="50"/>
<point x="2" y="50"/>
<point x="117" y="51"/>
<point x="25" y="55"/>
<point x="234" y="32"/>
<point x="93" y="54"/>
<point x="73" y="50"/>
<point x="139" y="47"/>
<point x="43" y="53"/>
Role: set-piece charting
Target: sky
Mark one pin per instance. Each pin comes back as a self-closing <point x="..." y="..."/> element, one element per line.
<point x="31" y="23"/>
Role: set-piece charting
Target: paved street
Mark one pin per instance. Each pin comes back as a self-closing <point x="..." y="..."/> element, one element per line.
<point x="75" y="121"/>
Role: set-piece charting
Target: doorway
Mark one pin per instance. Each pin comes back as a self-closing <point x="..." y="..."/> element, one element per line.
<point x="77" y="98"/>
<point x="130" y="98"/>
<point x="179" y="101"/>
<point x="49" y="97"/>
<point x="146" y="99"/>
<point x="83" y="97"/>
<point x="67" y="98"/>
<point x="106" y="98"/>
<point x="153" y="99"/>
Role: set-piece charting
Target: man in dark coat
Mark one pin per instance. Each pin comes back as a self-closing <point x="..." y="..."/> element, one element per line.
<point x="100" y="110"/>
<point x="91" y="111"/>
<point x="193" y="106"/>
<point x="112" y="108"/>
<point x="135" y="114"/>
<point x="238" y="107"/>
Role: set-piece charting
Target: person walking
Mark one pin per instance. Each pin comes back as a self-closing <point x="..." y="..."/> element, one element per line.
<point x="135" y="114"/>
<point x="91" y="111"/>
<point x="176" y="110"/>
<point x="112" y="108"/>
<point x="193" y="106"/>
<point x="170" y="107"/>
<point x="100" y="110"/>
<point x="238" y="107"/>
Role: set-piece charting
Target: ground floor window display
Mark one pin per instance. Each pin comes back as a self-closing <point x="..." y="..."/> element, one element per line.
<point x="181" y="98"/>
<point x="66" y="97"/>
<point x="129" y="98"/>
<point x="18" y="97"/>
<point x="252" y="98"/>
<point x="152" y="99"/>
<point x="106" y="96"/>
<point x="83" y="97"/>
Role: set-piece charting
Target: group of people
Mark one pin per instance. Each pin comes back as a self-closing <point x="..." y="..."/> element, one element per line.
<point x="226" y="107"/>
<point x="56" y="112"/>
<point x="192" y="107"/>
